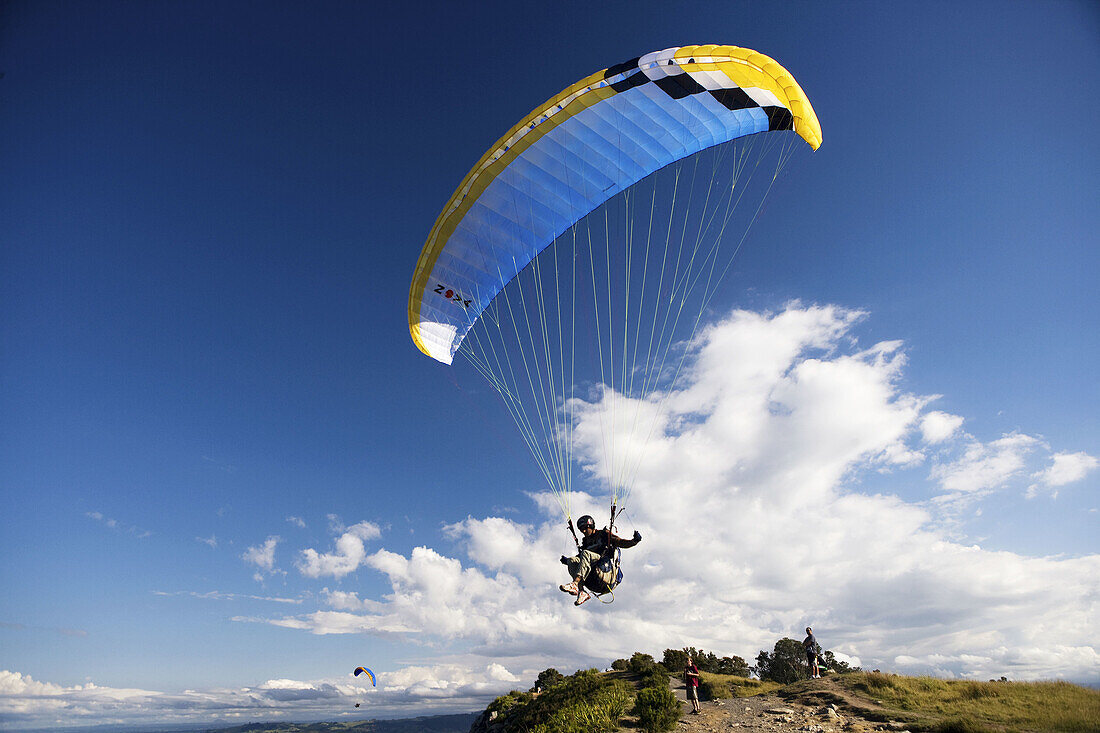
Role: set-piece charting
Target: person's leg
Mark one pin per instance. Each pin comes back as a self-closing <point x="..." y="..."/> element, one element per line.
<point x="585" y="560"/>
<point x="572" y="564"/>
<point x="579" y="567"/>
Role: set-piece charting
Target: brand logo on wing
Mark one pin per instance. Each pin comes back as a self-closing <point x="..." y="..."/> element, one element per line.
<point x="452" y="295"/>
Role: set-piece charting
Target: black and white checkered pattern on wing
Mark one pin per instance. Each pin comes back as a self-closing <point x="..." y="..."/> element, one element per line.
<point x="779" y="118"/>
<point x="681" y="85"/>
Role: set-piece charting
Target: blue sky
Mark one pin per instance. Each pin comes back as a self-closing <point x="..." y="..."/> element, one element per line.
<point x="210" y="216"/>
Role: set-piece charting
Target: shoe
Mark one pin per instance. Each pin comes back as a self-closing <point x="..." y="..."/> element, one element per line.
<point x="571" y="589"/>
<point x="582" y="596"/>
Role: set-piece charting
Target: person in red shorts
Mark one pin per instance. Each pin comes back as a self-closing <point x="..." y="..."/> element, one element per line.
<point x="691" y="682"/>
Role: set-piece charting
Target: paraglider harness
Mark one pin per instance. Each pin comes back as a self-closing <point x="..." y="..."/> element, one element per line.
<point x="608" y="564"/>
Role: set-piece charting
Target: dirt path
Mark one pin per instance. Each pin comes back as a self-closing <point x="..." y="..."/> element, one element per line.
<point x="808" y="712"/>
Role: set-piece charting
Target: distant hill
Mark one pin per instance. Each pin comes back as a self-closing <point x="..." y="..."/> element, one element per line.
<point x="458" y="723"/>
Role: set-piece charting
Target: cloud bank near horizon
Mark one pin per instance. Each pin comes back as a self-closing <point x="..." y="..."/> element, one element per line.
<point x="428" y="690"/>
<point x="763" y="507"/>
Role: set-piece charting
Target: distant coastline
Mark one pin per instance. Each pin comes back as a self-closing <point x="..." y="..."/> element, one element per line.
<point x="454" y="723"/>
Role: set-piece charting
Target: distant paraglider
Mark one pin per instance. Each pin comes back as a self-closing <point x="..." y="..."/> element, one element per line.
<point x="363" y="670"/>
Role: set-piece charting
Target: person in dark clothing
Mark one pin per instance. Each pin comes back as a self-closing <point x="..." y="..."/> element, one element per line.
<point x="592" y="566"/>
<point x="691" y="685"/>
<point x="813" y="653"/>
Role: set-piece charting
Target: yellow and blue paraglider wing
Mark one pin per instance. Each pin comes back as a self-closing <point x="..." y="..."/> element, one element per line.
<point x="364" y="670"/>
<point x="590" y="142"/>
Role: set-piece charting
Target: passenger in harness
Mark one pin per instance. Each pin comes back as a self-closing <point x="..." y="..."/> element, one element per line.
<point x="596" y="564"/>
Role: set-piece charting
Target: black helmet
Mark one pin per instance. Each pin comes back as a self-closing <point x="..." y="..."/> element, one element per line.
<point x="585" y="522"/>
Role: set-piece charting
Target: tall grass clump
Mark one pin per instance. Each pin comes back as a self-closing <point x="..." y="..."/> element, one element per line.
<point x="747" y="687"/>
<point x="715" y="686"/>
<point x="875" y="683"/>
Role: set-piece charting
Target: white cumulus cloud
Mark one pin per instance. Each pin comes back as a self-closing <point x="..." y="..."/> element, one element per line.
<point x="262" y="556"/>
<point x="762" y="503"/>
<point x="348" y="555"/>
<point x="936" y="426"/>
<point x="984" y="467"/>
<point x="410" y="691"/>
<point x="1065" y="468"/>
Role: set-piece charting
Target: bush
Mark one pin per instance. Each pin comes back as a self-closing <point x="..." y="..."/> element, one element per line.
<point x="619" y="664"/>
<point x="504" y="702"/>
<point x="657" y="709"/>
<point x="548" y="678"/>
<point x="655" y="677"/>
<point x="641" y="663"/>
<point x="585" y="702"/>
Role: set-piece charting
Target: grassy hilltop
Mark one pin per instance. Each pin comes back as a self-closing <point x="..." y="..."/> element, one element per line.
<point x="928" y="703"/>
<point x="626" y="700"/>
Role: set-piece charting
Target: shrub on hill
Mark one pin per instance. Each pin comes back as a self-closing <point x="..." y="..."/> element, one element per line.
<point x="505" y="702"/>
<point x="654" y="677"/>
<point x="547" y="678"/>
<point x="585" y="702"/>
<point x="640" y="663"/>
<point x="657" y="709"/>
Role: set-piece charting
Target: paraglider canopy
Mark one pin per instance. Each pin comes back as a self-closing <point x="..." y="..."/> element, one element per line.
<point x="364" y="670"/>
<point x="591" y="141"/>
<point x="576" y="262"/>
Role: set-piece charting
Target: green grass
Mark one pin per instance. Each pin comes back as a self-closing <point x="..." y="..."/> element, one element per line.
<point x="587" y="702"/>
<point x="969" y="707"/>
<point x="722" y="686"/>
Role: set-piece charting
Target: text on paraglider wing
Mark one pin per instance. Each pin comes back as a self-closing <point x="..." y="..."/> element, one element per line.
<point x="452" y="296"/>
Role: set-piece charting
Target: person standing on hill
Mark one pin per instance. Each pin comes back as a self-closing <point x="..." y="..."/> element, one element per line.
<point x="813" y="653"/>
<point x="691" y="685"/>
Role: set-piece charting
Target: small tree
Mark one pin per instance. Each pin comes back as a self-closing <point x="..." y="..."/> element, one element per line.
<point x="835" y="665"/>
<point x="786" y="663"/>
<point x="674" y="660"/>
<point x="641" y="662"/>
<point x="733" y="665"/>
<point x="619" y="664"/>
<point x="657" y="709"/>
<point x="548" y="678"/>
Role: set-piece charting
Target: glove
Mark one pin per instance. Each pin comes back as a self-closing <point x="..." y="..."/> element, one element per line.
<point x="564" y="560"/>
<point x="637" y="536"/>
